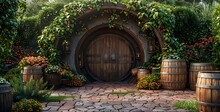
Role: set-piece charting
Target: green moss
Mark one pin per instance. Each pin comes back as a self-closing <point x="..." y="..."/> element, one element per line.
<point x="122" y="92"/>
<point x="56" y="98"/>
<point x="188" y="105"/>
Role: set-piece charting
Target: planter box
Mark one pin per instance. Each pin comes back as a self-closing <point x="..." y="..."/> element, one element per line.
<point x="32" y="71"/>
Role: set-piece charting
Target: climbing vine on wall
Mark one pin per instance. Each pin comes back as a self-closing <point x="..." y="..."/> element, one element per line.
<point x="8" y="27"/>
<point x="150" y="15"/>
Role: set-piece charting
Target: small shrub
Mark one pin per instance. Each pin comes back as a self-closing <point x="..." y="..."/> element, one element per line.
<point x="77" y="81"/>
<point x="188" y="105"/>
<point x="12" y="74"/>
<point x="3" y="81"/>
<point x="27" y="105"/>
<point x="149" y="82"/>
<point x="33" y="89"/>
<point x="53" y="69"/>
<point x="33" y="61"/>
<point x="82" y="78"/>
<point x="200" y="51"/>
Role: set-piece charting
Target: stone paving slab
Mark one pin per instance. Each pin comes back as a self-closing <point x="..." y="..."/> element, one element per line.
<point x="98" y="98"/>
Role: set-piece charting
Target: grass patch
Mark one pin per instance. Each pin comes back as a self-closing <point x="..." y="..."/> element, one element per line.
<point x="122" y="92"/>
<point x="55" y="98"/>
<point x="188" y="105"/>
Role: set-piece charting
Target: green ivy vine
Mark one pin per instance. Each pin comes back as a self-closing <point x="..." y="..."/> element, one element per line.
<point x="216" y="27"/>
<point x="8" y="27"/>
<point x="150" y="15"/>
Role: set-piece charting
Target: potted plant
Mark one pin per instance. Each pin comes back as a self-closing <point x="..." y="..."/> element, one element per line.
<point x="5" y="95"/>
<point x="142" y="72"/>
<point x="154" y="63"/>
<point x="53" y="75"/>
<point x="200" y="56"/>
<point x="32" y="66"/>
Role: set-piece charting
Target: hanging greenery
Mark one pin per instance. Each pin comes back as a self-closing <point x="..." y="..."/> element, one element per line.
<point x="216" y="27"/>
<point x="150" y="15"/>
<point x="8" y="27"/>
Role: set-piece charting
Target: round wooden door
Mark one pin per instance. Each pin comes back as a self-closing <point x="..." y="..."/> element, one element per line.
<point x="109" y="57"/>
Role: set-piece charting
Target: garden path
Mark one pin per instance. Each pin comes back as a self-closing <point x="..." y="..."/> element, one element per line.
<point x="100" y="97"/>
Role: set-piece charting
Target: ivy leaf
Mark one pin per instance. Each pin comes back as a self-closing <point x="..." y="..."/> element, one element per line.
<point x="155" y="16"/>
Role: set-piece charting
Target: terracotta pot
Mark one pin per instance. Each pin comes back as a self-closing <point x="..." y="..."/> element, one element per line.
<point x="134" y="71"/>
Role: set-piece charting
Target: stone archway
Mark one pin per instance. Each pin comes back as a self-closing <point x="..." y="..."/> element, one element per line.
<point x="108" y="54"/>
<point x="136" y="43"/>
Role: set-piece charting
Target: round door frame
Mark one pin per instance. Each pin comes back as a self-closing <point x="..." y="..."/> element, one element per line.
<point x="101" y="29"/>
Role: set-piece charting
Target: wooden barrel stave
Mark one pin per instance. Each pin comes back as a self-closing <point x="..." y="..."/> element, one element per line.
<point x="194" y="69"/>
<point x="32" y="71"/>
<point x="5" y="98"/>
<point x="53" y="79"/>
<point x="208" y="91"/>
<point x="173" y="74"/>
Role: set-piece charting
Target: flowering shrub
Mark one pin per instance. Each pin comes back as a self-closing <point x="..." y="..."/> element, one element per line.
<point x="27" y="105"/>
<point x="53" y="69"/>
<point x="33" y="61"/>
<point x="67" y="74"/>
<point x="82" y="78"/>
<point x="77" y="81"/>
<point x="200" y="51"/>
<point x="149" y="82"/>
<point x="18" y="52"/>
<point x="3" y="81"/>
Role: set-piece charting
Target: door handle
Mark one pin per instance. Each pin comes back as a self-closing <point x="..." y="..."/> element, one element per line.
<point x="106" y="57"/>
<point x="113" y="57"/>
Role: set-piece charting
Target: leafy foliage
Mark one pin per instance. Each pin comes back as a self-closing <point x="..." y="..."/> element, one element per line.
<point x="200" y="51"/>
<point x="13" y="74"/>
<point x="33" y="89"/>
<point x="3" y="81"/>
<point x="158" y="16"/>
<point x="149" y="82"/>
<point x="8" y="27"/>
<point x="154" y="61"/>
<point x="33" y="61"/>
<point x="27" y="105"/>
<point x="185" y="19"/>
<point x="216" y="27"/>
<point x="30" y="27"/>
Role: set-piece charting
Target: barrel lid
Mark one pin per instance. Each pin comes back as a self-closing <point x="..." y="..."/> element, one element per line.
<point x="210" y="71"/>
<point x="31" y="67"/>
<point x="201" y="64"/>
<point x="173" y="60"/>
<point x="209" y="74"/>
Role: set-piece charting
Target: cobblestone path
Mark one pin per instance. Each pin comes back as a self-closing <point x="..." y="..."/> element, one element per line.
<point x="99" y="97"/>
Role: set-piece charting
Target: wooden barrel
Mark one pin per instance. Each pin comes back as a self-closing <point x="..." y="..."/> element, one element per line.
<point x="208" y="91"/>
<point x="173" y="74"/>
<point x="5" y="98"/>
<point x="32" y="71"/>
<point x="53" y="79"/>
<point x="142" y="72"/>
<point x="194" y="70"/>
